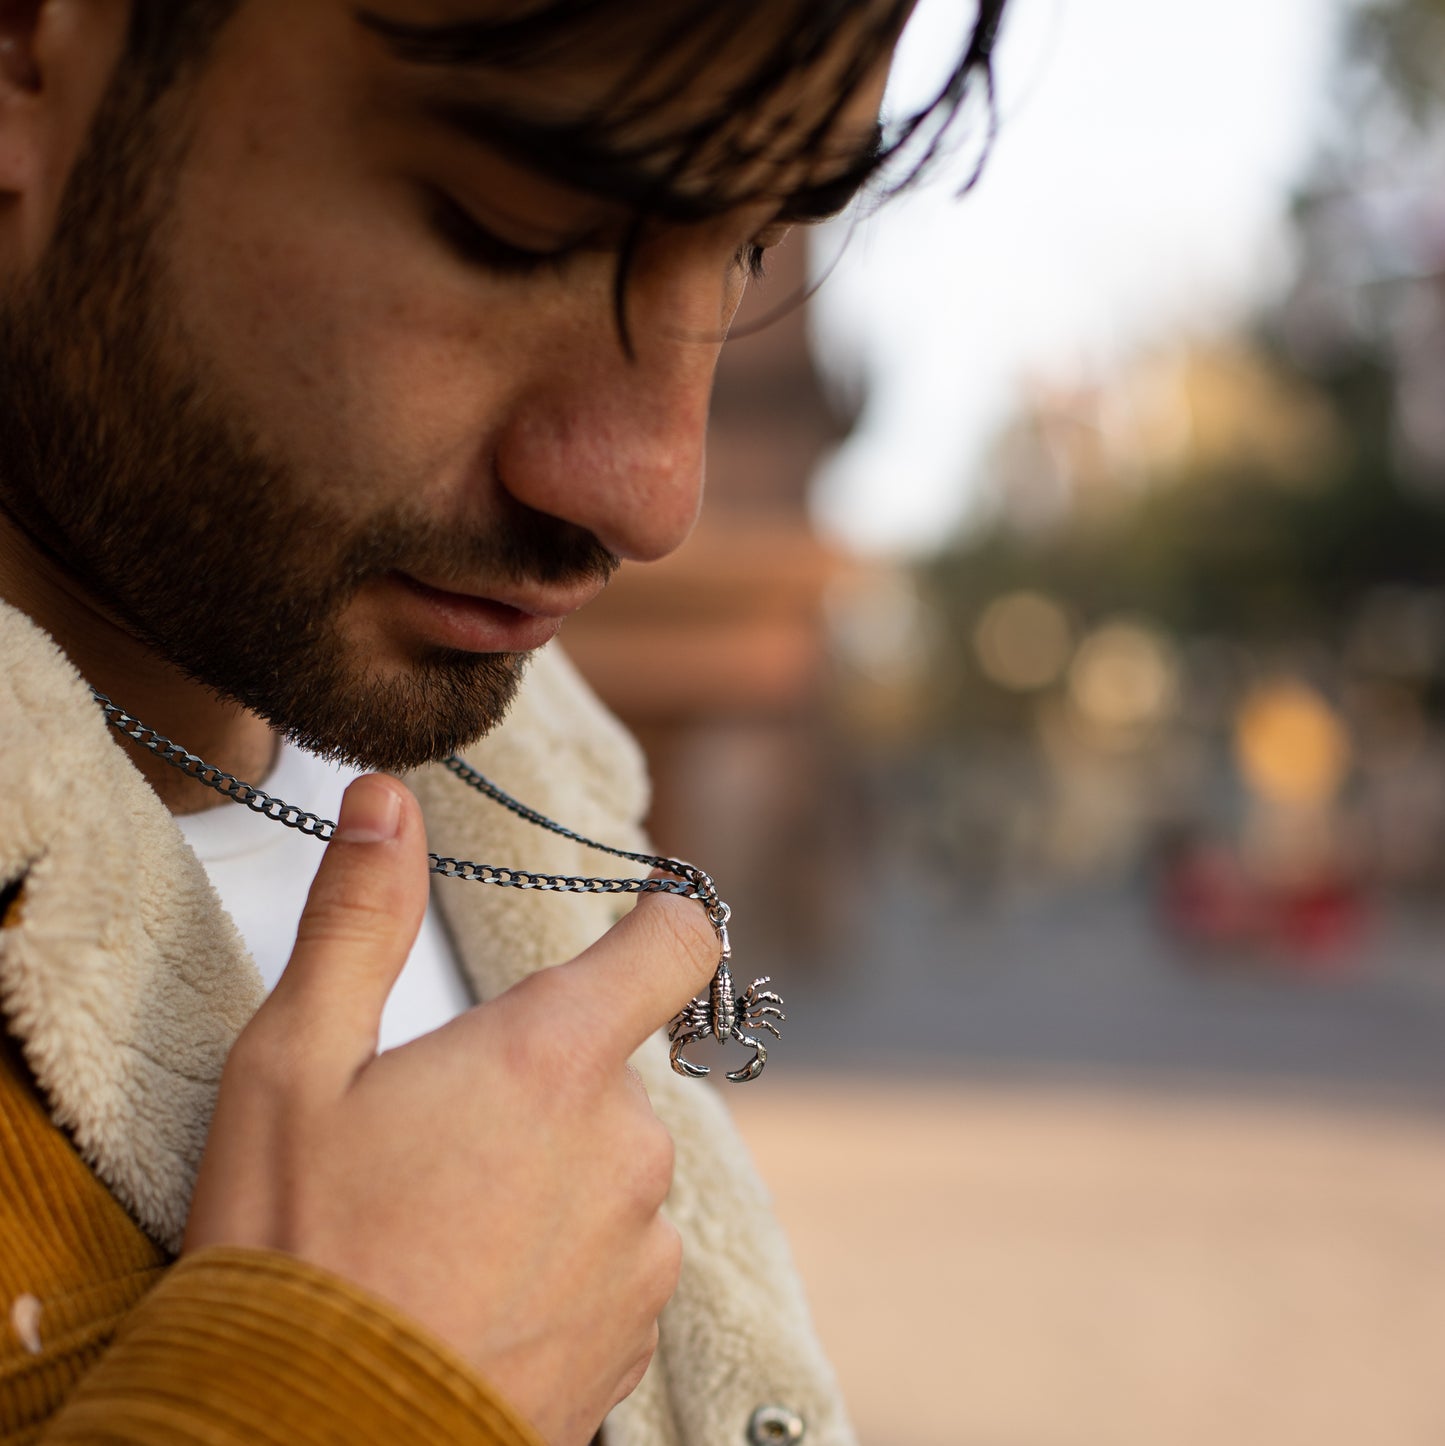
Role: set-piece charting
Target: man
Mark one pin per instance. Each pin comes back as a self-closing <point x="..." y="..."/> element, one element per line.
<point x="345" y="351"/>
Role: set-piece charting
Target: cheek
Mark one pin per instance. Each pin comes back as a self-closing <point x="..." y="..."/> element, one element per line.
<point x="339" y="331"/>
<point x="338" y="364"/>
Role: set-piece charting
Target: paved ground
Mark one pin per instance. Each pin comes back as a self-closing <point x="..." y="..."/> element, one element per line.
<point x="1047" y="1265"/>
<point x="1052" y="1184"/>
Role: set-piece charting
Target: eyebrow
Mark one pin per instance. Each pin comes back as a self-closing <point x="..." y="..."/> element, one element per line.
<point x="571" y="152"/>
<point x="563" y="151"/>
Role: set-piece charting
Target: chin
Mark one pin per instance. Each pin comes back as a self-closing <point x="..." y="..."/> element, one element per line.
<point x="400" y="720"/>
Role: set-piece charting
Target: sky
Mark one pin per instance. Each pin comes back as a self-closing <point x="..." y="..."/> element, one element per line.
<point x="1137" y="188"/>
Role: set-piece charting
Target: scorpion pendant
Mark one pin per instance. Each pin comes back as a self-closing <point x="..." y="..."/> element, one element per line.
<point x="724" y="1014"/>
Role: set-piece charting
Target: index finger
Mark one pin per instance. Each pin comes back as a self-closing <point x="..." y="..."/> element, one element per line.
<point x="644" y="969"/>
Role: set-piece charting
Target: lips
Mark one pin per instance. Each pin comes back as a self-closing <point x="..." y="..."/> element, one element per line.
<point x="516" y="623"/>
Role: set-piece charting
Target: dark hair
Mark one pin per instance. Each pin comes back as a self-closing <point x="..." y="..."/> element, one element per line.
<point x="675" y="43"/>
<point x="169" y="37"/>
<point x="715" y="160"/>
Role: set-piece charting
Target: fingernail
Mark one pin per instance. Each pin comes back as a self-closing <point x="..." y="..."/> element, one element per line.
<point x="370" y="812"/>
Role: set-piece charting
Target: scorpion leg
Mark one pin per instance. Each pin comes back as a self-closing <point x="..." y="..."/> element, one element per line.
<point x="754" y="1067"/>
<point x="694" y="1017"/>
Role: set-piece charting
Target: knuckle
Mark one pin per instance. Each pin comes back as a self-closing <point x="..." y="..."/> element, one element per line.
<point x="529" y="1054"/>
<point x="632" y="1378"/>
<point x="283" y="1053"/>
<point x="550" y="1054"/>
<point x="249" y="1064"/>
<point x="654" y="1159"/>
<point x="636" y="1085"/>
<point x="348" y="914"/>
<point x="666" y="1263"/>
<point x="262" y="1061"/>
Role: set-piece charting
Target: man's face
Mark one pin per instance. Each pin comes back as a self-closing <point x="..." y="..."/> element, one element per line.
<point x="287" y="395"/>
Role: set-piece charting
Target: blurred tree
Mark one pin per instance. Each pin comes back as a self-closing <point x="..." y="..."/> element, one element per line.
<point x="1234" y="540"/>
<point x="1398" y="51"/>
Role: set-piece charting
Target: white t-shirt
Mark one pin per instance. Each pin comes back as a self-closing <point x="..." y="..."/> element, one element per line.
<point x="263" y="872"/>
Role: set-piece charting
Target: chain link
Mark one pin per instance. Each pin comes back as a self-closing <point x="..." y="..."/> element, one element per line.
<point x="689" y="881"/>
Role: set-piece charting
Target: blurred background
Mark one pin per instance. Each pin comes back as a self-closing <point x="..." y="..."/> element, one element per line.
<point x="1056" y="688"/>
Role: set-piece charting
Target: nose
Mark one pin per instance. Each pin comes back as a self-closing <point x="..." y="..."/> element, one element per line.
<point x="611" y="438"/>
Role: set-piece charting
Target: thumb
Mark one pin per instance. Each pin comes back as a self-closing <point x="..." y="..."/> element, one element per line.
<point x="360" y="921"/>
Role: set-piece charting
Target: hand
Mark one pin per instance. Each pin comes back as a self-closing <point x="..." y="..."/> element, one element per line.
<point x="499" y="1180"/>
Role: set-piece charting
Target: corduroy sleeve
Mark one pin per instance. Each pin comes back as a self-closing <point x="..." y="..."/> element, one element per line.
<point x="248" y="1346"/>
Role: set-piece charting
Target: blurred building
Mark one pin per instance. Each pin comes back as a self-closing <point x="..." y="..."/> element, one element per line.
<point x="715" y="656"/>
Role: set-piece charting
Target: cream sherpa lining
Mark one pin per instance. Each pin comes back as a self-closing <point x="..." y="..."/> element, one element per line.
<point x="126" y="983"/>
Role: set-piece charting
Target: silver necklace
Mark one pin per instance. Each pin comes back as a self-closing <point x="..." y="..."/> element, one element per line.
<point x="723" y="1013"/>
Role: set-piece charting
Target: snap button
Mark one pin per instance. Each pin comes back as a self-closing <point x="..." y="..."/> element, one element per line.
<point x="775" y="1426"/>
<point x="25" y="1322"/>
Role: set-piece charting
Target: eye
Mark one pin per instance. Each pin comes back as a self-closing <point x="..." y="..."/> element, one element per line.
<point x="479" y="246"/>
<point x="753" y="255"/>
<point x="752" y="259"/>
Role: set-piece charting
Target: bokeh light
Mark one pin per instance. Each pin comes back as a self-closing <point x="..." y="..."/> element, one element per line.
<point x="1293" y="748"/>
<point x="1125" y="678"/>
<point x="1023" y="641"/>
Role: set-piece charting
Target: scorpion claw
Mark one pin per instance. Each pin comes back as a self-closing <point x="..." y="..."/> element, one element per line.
<point x="754" y="1067"/>
<point x="686" y="1066"/>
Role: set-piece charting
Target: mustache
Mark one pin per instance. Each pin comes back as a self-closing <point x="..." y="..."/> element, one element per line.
<point x="521" y="546"/>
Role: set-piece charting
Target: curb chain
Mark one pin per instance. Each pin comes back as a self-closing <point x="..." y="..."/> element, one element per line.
<point x="689" y="881"/>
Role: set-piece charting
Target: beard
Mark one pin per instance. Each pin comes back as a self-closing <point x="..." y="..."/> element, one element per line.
<point x="121" y="457"/>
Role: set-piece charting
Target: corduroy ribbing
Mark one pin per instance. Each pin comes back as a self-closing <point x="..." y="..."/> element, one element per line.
<point x="72" y="1262"/>
<point x="253" y="1346"/>
<point x="77" y="1227"/>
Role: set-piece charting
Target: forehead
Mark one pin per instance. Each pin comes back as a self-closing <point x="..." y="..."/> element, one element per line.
<point x="700" y="104"/>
